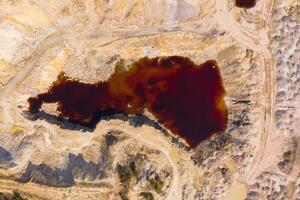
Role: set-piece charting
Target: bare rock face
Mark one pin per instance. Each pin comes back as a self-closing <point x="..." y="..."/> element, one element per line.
<point x="133" y="156"/>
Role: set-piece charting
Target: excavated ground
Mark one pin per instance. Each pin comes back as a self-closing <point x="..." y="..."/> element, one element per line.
<point x="135" y="157"/>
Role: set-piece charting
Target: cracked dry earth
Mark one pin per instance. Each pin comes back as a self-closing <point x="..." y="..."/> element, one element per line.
<point x="130" y="157"/>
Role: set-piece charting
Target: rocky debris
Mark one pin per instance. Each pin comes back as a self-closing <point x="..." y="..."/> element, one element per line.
<point x="296" y="194"/>
<point x="216" y="182"/>
<point x="285" y="47"/>
<point x="268" y="186"/>
<point x="222" y="182"/>
<point x="286" y="165"/>
<point x="209" y="147"/>
<point x="239" y="119"/>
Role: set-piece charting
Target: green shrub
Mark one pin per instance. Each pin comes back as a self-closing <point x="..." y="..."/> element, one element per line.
<point x="147" y="195"/>
<point x="156" y="183"/>
<point x="124" y="174"/>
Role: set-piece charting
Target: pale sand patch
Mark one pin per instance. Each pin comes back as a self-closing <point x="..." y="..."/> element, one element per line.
<point x="237" y="191"/>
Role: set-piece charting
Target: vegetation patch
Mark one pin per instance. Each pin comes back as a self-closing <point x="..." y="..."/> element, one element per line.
<point x="156" y="183"/>
<point x="126" y="174"/>
<point x="129" y="174"/>
<point x="147" y="195"/>
<point x="14" y="196"/>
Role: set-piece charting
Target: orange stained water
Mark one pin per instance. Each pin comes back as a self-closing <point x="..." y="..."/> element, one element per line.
<point x="186" y="98"/>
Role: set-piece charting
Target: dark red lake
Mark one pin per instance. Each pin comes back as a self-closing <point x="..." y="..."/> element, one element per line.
<point x="186" y="98"/>
<point x="245" y="3"/>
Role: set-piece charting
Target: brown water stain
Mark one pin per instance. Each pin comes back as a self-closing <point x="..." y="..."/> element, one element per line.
<point x="245" y="3"/>
<point x="186" y="98"/>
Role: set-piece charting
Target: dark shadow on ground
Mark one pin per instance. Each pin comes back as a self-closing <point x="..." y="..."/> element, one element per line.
<point x="6" y="158"/>
<point x="136" y="120"/>
<point x="53" y="119"/>
<point x="77" y="167"/>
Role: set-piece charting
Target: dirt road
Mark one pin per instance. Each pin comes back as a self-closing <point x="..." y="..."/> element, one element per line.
<point x="260" y="44"/>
